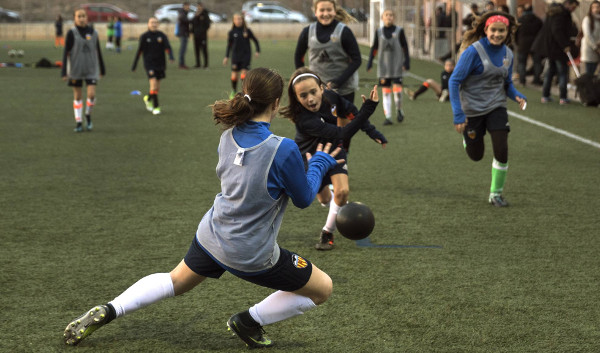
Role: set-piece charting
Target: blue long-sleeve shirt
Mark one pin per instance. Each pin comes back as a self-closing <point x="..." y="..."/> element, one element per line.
<point x="470" y="63"/>
<point x="287" y="173"/>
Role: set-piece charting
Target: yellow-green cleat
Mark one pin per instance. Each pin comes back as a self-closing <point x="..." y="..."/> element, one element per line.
<point x="253" y="336"/>
<point x="148" y="103"/>
<point x="84" y="325"/>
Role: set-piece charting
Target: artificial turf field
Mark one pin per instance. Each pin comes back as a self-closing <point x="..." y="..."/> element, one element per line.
<point x="86" y="215"/>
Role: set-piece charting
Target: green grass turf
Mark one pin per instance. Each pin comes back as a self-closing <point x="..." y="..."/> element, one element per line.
<point x="86" y="215"/>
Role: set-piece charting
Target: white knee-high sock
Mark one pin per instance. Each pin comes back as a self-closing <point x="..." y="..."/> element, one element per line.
<point x="333" y="211"/>
<point x="387" y="102"/>
<point x="398" y="97"/>
<point x="330" y="200"/>
<point x="89" y="105"/>
<point x="280" y="306"/>
<point x="144" y="292"/>
<point x="77" y="110"/>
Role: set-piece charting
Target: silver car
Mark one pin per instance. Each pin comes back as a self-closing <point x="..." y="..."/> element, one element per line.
<point x="273" y="13"/>
<point x="169" y="13"/>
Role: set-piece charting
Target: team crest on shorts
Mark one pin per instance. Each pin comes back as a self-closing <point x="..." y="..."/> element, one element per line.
<point x="299" y="262"/>
<point x="334" y="110"/>
<point x="471" y="133"/>
<point x="150" y="72"/>
<point x="382" y="81"/>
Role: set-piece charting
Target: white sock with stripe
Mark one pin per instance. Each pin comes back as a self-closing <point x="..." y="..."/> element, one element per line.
<point x="78" y="109"/>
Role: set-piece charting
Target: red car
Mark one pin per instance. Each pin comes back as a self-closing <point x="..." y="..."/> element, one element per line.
<point x="100" y="12"/>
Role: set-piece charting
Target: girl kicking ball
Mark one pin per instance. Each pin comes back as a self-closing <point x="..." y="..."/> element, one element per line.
<point x="479" y="86"/>
<point x="315" y="111"/>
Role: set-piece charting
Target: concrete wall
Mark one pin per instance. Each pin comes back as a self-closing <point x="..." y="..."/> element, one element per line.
<point x="45" y="31"/>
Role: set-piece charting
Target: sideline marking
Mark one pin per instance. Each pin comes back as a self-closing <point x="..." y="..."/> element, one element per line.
<point x="366" y="242"/>
<point x="534" y="122"/>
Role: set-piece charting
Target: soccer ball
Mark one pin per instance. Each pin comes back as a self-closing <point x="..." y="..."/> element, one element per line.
<point x="12" y="53"/>
<point x="355" y="221"/>
<point x="20" y="53"/>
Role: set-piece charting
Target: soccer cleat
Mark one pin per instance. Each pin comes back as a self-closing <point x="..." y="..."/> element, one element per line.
<point x="564" y="101"/>
<point x="84" y="325"/>
<point x="156" y="111"/>
<point x="78" y="128"/>
<point x="387" y="121"/>
<point x="410" y="94"/>
<point x="545" y="100"/>
<point x="400" y="116"/>
<point x="149" y="105"/>
<point x="497" y="200"/>
<point x="444" y="96"/>
<point x="231" y="94"/>
<point x="325" y="241"/>
<point x="253" y="336"/>
<point x="89" y="126"/>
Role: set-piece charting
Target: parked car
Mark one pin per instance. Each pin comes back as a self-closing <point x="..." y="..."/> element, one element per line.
<point x="101" y="12"/>
<point x="169" y="13"/>
<point x="249" y="5"/>
<point x="273" y="13"/>
<point x="9" y="16"/>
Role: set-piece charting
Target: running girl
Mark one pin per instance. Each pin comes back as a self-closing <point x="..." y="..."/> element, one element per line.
<point x="238" y="46"/>
<point x="153" y="45"/>
<point x="315" y="111"/>
<point x="479" y="86"/>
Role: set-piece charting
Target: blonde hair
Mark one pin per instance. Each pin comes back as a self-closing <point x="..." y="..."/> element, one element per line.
<point x="340" y="14"/>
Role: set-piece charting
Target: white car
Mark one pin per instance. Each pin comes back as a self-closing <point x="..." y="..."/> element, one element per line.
<point x="273" y="13"/>
<point x="169" y="13"/>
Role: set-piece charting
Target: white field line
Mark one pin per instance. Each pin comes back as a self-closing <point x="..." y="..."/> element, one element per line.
<point x="526" y="119"/>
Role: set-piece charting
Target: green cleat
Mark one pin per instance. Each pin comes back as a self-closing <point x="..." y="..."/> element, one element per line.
<point x="156" y="111"/>
<point x="231" y="94"/>
<point x="149" y="104"/>
<point x="252" y="336"/>
<point x="84" y="325"/>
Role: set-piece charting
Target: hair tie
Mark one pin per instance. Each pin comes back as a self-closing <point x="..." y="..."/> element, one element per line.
<point x="497" y="18"/>
<point x="247" y="96"/>
<point x="305" y="75"/>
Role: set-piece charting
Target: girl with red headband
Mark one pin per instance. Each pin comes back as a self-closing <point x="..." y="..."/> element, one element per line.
<point x="479" y="86"/>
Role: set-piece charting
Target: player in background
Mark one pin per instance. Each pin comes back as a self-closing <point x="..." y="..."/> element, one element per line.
<point x="316" y="113"/>
<point x="82" y="61"/>
<point x="238" y="46"/>
<point x="440" y="89"/>
<point x="333" y="52"/>
<point x="259" y="173"/>
<point x="479" y="86"/>
<point x="153" y="45"/>
<point x="390" y="43"/>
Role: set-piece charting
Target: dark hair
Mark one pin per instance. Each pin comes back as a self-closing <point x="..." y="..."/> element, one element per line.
<point x="591" y="16"/>
<point x="576" y="2"/>
<point x="262" y="86"/>
<point x="294" y="107"/>
<point x="478" y="30"/>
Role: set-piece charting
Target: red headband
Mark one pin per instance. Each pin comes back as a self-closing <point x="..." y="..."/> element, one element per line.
<point x="496" y="18"/>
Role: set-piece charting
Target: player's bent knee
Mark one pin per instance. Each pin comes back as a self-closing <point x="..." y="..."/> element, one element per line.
<point x="341" y="194"/>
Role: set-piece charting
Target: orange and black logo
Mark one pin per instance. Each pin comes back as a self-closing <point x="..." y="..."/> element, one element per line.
<point x="299" y="262"/>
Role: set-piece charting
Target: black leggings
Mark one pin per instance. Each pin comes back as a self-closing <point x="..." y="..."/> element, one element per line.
<point x="201" y="43"/>
<point x="499" y="145"/>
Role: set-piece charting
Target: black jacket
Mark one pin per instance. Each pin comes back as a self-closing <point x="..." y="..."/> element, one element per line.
<point x="200" y="24"/>
<point x="527" y="31"/>
<point x="556" y="34"/>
